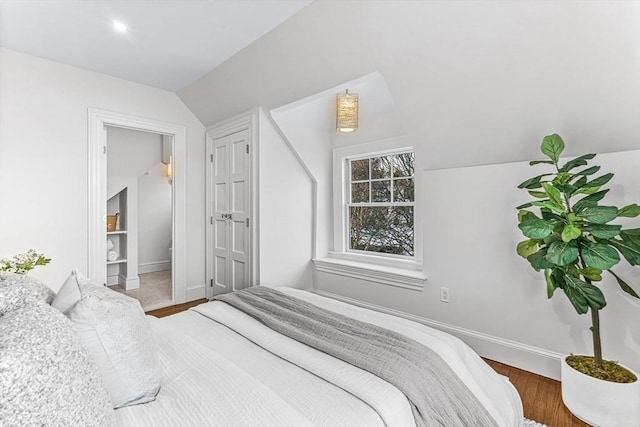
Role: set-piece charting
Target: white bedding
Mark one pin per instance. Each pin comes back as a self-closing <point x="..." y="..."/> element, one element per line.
<point x="213" y="376"/>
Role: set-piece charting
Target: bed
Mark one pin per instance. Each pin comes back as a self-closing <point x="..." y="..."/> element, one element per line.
<point x="221" y="366"/>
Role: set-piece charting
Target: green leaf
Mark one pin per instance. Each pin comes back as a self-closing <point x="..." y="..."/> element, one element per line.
<point x="562" y="178"/>
<point x="580" y="182"/>
<point x="629" y="211"/>
<point x="524" y="205"/>
<point x="599" y="214"/>
<point x="600" y="181"/>
<point x="562" y="253"/>
<point x="598" y="255"/>
<point x="590" y="295"/>
<point x="552" y="146"/>
<point x="604" y="231"/>
<point x="527" y="247"/>
<point x="535" y="162"/>
<point x="578" y="161"/>
<point x="566" y="188"/>
<point x="538" y="260"/>
<point x="588" y="190"/>
<point x="534" y="182"/>
<point x="549" y="204"/>
<point x="624" y="286"/>
<point x="629" y="246"/>
<point x="571" y="217"/>
<point x="521" y="214"/>
<point x="551" y="286"/>
<point x="591" y="273"/>
<point x="538" y="194"/>
<point x="554" y="194"/>
<point x="591" y="200"/>
<point x="588" y="171"/>
<point x="534" y="227"/>
<point x="570" y="232"/>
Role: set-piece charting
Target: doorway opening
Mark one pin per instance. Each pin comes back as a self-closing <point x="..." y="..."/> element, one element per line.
<point x="139" y="207"/>
<point x="174" y="141"/>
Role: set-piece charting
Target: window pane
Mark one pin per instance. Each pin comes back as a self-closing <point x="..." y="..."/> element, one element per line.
<point x="381" y="229"/>
<point x="403" y="190"/>
<point x="403" y="164"/>
<point x="359" y="170"/>
<point x="360" y="192"/>
<point x="381" y="167"/>
<point x="381" y="191"/>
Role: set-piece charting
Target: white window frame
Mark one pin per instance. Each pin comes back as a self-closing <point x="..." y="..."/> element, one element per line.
<point x="398" y="270"/>
<point x="348" y="203"/>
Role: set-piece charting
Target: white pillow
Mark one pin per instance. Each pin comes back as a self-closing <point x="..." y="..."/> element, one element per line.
<point x="68" y="294"/>
<point x="46" y="376"/>
<point x="113" y="329"/>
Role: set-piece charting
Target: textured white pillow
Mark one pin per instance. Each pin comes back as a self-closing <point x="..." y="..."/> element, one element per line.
<point x="46" y="376"/>
<point x="113" y="329"/>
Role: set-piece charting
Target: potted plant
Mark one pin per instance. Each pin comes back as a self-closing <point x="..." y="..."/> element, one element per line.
<point x="570" y="237"/>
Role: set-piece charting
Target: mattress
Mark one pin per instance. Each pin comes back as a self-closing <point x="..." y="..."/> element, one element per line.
<point x="221" y="367"/>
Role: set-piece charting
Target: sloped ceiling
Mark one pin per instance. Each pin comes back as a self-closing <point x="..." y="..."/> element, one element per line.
<point x="169" y="44"/>
<point x="472" y="82"/>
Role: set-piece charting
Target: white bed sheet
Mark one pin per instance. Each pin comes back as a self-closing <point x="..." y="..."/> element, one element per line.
<point x="212" y="376"/>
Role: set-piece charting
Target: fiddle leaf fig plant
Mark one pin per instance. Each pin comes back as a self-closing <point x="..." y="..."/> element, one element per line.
<point x="570" y="235"/>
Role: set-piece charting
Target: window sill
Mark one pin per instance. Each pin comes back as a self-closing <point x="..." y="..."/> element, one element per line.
<point x="408" y="278"/>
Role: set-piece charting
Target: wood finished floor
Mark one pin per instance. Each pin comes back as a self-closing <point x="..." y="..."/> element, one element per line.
<point x="541" y="396"/>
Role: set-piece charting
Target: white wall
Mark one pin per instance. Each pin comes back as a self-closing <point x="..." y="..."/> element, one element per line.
<point x="132" y="152"/>
<point x="154" y="220"/>
<point x="286" y="213"/>
<point x="43" y="159"/>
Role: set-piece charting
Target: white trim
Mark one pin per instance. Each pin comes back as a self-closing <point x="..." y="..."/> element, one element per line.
<point x="248" y="121"/>
<point x="533" y="359"/>
<point x="404" y="278"/>
<point x="196" y="292"/>
<point x="152" y="267"/>
<point x="97" y="175"/>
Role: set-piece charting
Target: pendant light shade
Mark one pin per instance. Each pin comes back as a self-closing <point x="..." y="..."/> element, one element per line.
<point x="346" y="112"/>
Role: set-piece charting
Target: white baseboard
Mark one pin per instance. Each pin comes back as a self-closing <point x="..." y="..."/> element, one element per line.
<point x="113" y="280"/>
<point x="512" y="353"/>
<point x="195" y="292"/>
<point x="130" y="283"/>
<point x="152" y="267"/>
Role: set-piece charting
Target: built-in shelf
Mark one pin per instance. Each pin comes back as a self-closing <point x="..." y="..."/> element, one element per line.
<point x="111" y="233"/>
<point x="117" y="261"/>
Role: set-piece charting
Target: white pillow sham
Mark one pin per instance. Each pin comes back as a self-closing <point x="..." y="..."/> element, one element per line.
<point x="113" y="329"/>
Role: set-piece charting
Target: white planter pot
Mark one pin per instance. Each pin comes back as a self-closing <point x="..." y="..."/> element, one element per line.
<point x="598" y="402"/>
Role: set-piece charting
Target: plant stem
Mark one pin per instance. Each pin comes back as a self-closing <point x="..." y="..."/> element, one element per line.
<point x="595" y="325"/>
<point x="595" y="331"/>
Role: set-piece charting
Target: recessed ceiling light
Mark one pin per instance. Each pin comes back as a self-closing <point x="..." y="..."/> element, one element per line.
<point x="119" y="26"/>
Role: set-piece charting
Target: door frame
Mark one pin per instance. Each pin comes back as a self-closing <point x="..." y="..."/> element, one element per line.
<point x="97" y="188"/>
<point x="249" y="122"/>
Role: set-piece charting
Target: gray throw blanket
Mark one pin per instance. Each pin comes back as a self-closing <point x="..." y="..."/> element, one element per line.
<point x="436" y="394"/>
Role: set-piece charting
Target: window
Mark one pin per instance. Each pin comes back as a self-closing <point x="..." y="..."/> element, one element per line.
<point x="376" y="215"/>
<point x="380" y="204"/>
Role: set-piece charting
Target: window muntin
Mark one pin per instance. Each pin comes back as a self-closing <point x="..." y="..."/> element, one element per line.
<point x="380" y="206"/>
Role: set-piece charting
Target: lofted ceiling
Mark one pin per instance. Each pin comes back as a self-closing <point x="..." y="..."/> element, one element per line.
<point x="168" y="44"/>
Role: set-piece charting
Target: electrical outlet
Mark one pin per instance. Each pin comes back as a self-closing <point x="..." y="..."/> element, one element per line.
<point x="444" y="294"/>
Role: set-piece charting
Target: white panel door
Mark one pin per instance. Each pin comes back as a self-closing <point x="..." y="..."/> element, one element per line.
<point x="230" y="220"/>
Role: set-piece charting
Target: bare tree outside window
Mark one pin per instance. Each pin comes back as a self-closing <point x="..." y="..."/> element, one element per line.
<point x="381" y="204"/>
